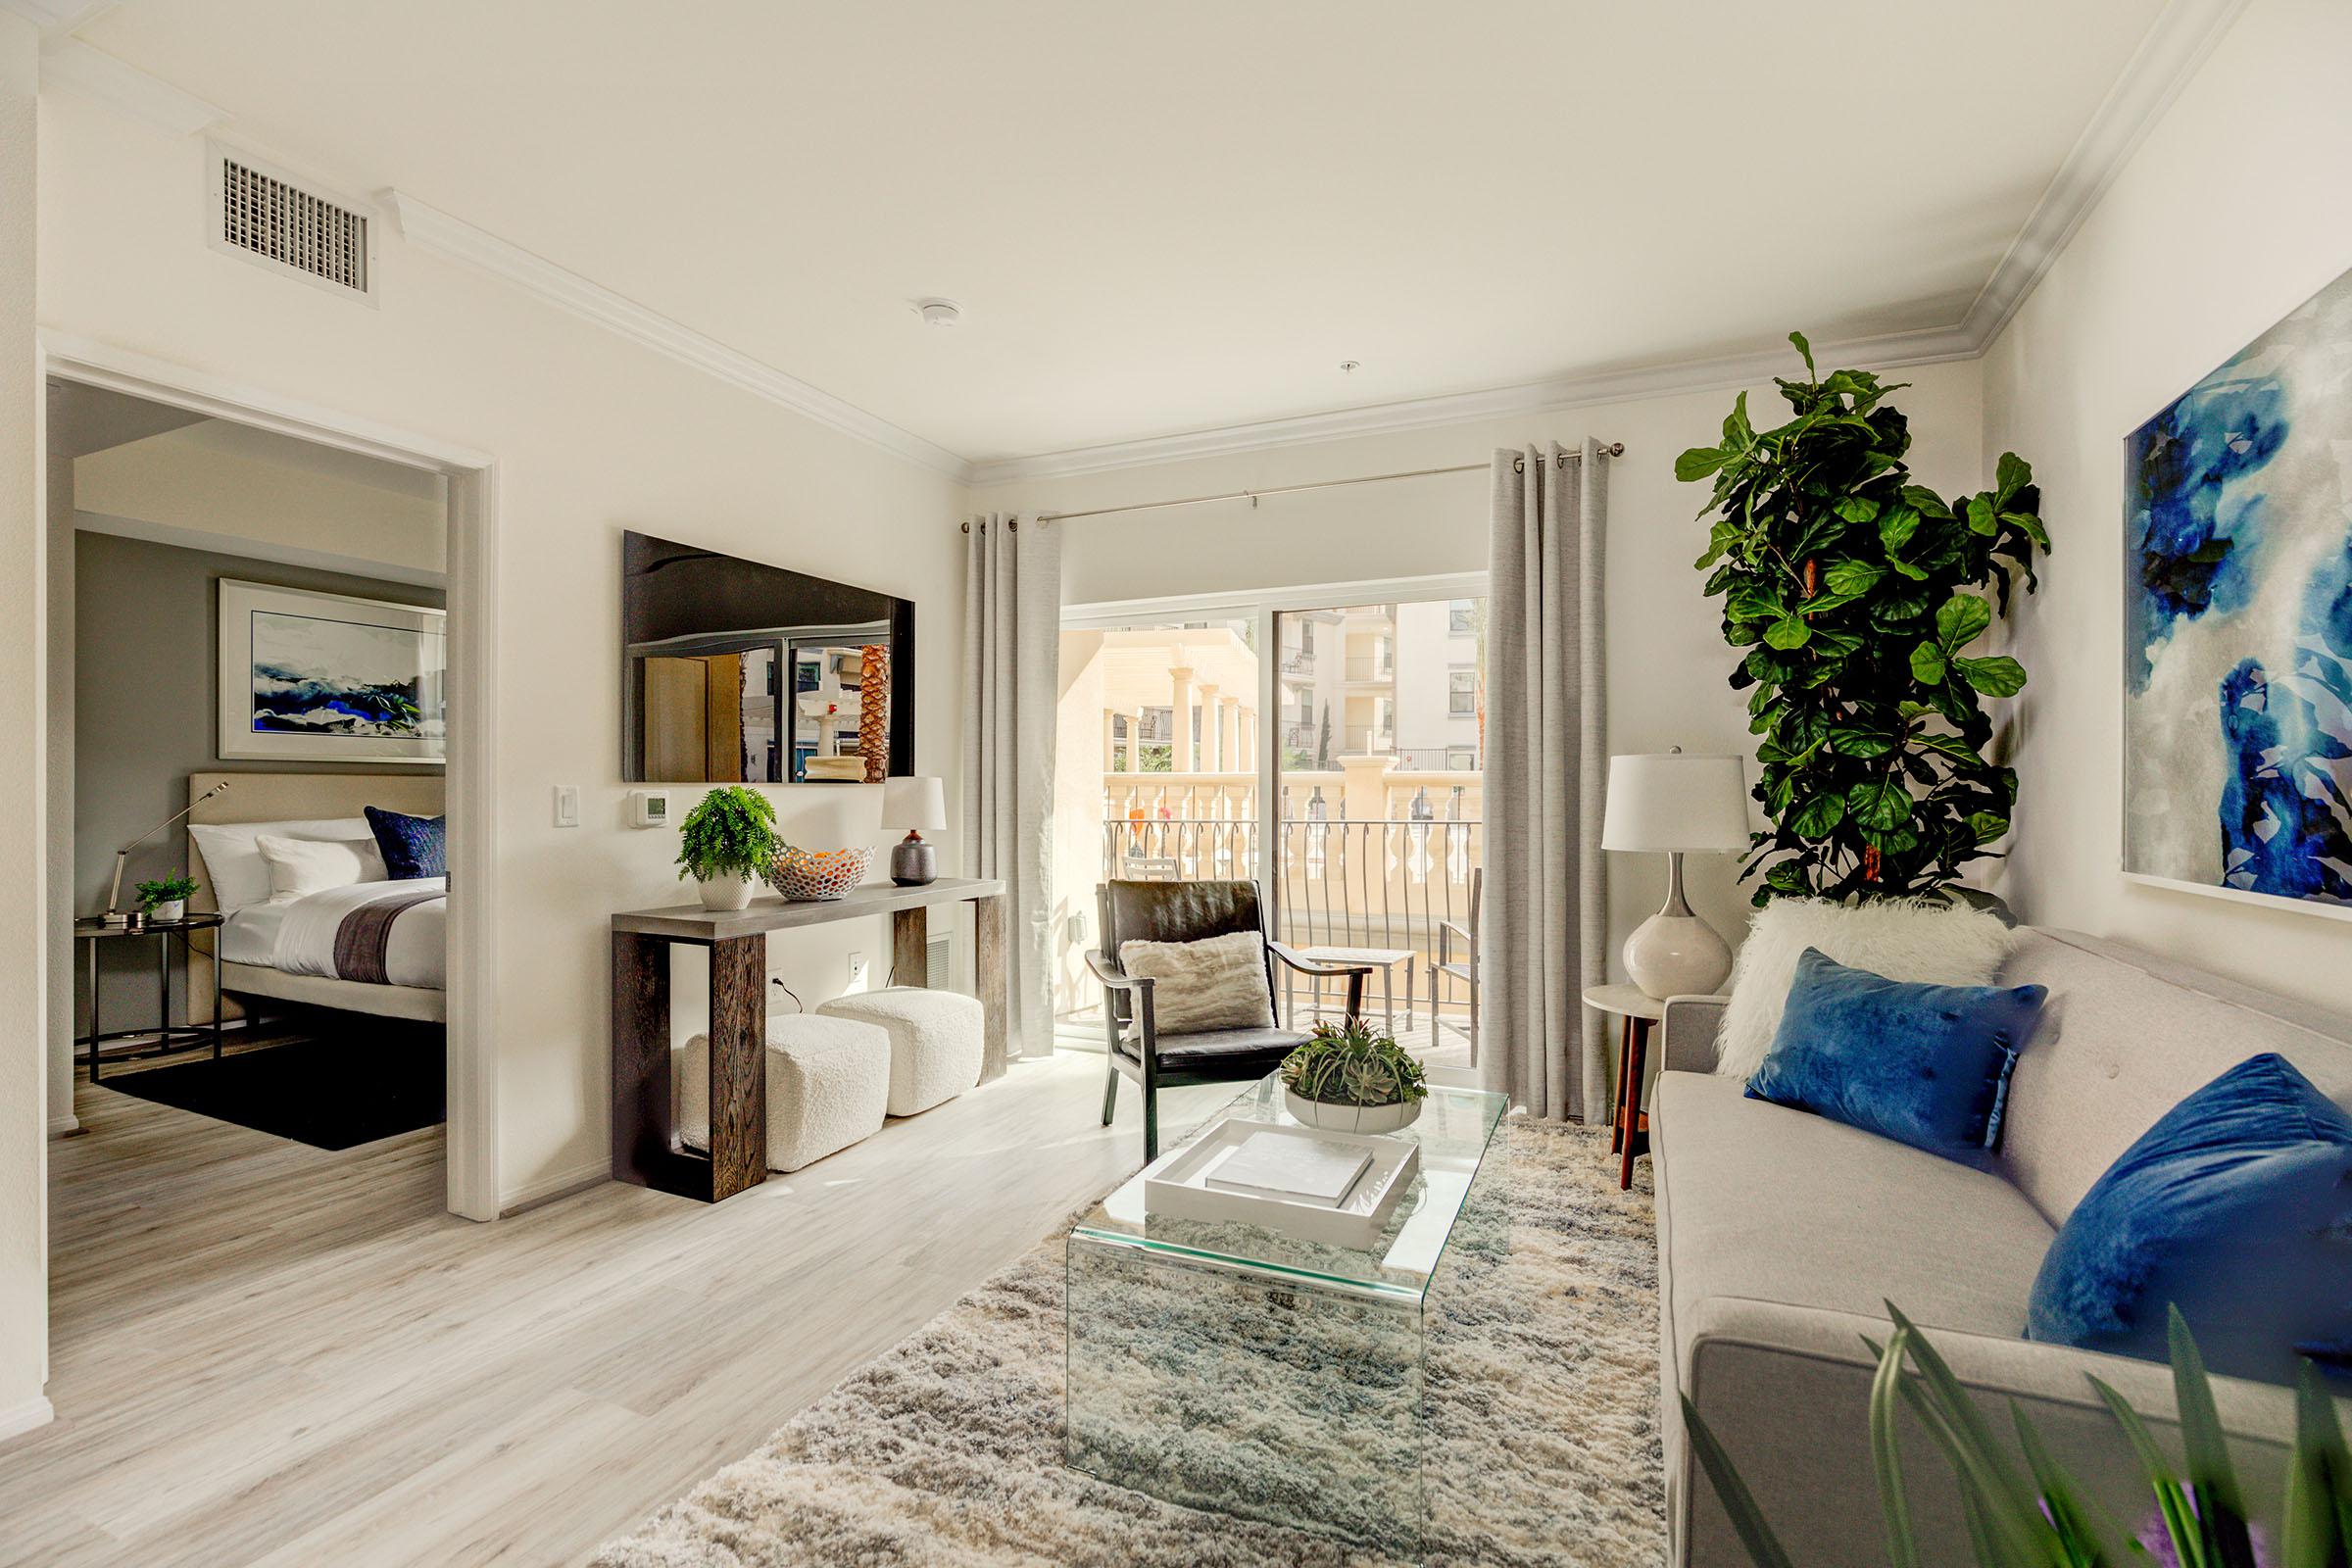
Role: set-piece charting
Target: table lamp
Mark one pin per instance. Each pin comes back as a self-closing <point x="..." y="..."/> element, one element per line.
<point x="1676" y="802"/>
<point x="114" y="890"/>
<point x="913" y="804"/>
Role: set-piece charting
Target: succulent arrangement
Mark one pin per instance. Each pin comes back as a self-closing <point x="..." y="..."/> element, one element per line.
<point x="166" y="890"/>
<point x="1855" y="593"/>
<point x="2033" y="1514"/>
<point x="730" y="832"/>
<point x="1350" y="1064"/>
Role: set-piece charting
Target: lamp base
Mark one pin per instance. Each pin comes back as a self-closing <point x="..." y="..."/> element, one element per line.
<point x="1676" y="955"/>
<point x="913" y="862"/>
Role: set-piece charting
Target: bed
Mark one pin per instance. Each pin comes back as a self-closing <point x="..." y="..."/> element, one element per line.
<point x="375" y="946"/>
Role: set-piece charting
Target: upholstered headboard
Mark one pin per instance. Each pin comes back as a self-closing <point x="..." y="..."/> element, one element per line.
<point x="285" y="798"/>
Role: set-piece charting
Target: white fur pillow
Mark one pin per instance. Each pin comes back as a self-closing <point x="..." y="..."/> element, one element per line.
<point x="1214" y="983"/>
<point x="1926" y="941"/>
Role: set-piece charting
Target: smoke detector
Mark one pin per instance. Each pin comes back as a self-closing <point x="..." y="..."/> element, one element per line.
<point x="939" y="313"/>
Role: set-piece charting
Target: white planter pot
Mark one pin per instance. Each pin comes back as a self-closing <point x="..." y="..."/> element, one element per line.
<point x="724" y="893"/>
<point x="1350" y="1118"/>
<point x="173" y="910"/>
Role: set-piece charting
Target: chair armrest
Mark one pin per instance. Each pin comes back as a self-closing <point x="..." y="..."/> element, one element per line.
<point x="1317" y="966"/>
<point x="1687" y="1034"/>
<point x="1787" y="1390"/>
<point x="1116" y="978"/>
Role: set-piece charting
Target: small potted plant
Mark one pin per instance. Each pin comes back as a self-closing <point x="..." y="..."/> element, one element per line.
<point x="729" y="842"/>
<point x="1347" y="1078"/>
<point x="166" y="898"/>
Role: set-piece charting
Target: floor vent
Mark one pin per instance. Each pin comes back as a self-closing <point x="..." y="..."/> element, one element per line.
<point x="265" y="215"/>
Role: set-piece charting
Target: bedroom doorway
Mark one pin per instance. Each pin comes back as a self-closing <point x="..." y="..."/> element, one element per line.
<point x="361" y="620"/>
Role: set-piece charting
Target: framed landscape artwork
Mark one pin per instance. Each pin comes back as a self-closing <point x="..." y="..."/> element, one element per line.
<point x="2238" y="622"/>
<point x="317" y="677"/>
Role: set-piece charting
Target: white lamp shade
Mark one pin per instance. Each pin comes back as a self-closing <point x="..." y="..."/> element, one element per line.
<point x="1676" y="801"/>
<point x="915" y="803"/>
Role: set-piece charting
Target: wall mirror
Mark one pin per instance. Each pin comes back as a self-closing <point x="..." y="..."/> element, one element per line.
<point x="737" y="672"/>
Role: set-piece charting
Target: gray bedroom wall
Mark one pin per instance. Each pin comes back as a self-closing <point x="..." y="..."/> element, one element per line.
<point x="145" y="718"/>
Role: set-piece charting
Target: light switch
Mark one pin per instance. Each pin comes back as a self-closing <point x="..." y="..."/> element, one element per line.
<point x="568" y="806"/>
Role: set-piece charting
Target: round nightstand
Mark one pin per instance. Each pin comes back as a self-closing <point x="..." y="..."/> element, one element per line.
<point x="1629" y="1134"/>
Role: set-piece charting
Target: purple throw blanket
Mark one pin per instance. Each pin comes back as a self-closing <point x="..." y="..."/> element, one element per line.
<point x="366" y="932"/>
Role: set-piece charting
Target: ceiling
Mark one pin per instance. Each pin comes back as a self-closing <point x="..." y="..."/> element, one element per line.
<point x="1171" y="218"/>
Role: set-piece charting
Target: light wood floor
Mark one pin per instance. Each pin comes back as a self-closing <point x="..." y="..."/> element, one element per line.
<point x="264" y="1353"/>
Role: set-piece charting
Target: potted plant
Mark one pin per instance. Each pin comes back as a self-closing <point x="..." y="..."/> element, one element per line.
<point x="166" y="898"/>
<point x="728" y="841"/>
<point x="1347" y="1078"/>
<point x="1855" y="594"/>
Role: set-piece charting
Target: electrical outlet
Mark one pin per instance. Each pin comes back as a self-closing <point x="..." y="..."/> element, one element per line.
<point x="568" y="806"/>
<point x="857" y="971"/>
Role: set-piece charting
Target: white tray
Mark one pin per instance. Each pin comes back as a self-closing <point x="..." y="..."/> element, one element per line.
<point x="1173" y="1186"/>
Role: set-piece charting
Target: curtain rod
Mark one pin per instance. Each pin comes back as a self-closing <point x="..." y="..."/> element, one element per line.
<point x="1615" y="448"/>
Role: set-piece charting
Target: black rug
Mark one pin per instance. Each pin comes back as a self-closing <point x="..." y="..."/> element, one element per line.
<point x="335" y="1089"/>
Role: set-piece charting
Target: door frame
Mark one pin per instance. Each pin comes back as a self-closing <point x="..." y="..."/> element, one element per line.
<point x="470" y="567"/>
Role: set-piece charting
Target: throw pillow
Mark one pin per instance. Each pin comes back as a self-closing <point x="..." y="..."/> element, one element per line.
<point x="1925" y="1066"/>
<point x="1903" y="938"/>
<point x="413" y="846"/>
<point x="313" y="865"/>
<point x="2237" y="1208"/>
<point x="1214" y="983"/>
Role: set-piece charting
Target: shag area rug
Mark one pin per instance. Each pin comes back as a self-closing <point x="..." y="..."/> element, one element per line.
<point x="1540" y="1389"/>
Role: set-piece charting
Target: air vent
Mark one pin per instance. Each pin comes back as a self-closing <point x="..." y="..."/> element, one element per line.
<point x="939" y="959"/>
<point x="265" y="215"/>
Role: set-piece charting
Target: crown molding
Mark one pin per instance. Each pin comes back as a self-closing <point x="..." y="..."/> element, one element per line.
<point x="2185" y="33"/>
<point x="432" y="229"/>
<point x="54" y="16"/>
<point x="69" y="63"/>
<point x="1928" y="347"/>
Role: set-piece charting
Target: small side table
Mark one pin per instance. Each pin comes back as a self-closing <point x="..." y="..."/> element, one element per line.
<point x="1629" y="1136"/>
<point x="1386" y="960"/>
<point x="167" y="1037"/>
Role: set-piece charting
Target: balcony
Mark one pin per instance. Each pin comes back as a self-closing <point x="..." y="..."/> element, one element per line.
<point x="1374" y="669"/>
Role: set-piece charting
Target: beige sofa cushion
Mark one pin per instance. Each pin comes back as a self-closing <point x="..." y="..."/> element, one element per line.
<point x="1767" y="1204"/>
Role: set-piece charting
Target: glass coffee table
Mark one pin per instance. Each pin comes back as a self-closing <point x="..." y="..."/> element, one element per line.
<point x="1229" y="1366"/>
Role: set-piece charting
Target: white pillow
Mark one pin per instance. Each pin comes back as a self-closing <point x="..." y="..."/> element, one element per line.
<point x="233" y="864"/>
<point x="1923" y="940"/>
<point x="313" y="865"/>
<point x="1214" y="983"/>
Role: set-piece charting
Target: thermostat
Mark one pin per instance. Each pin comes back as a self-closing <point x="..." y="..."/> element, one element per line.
<point x="649" y="807"/>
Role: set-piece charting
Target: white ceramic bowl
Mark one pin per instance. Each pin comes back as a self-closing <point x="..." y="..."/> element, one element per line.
<point x="1350" y="1118"/>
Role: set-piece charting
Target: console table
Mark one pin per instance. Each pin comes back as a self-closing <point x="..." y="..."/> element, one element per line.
<point x="645" y="1140"/>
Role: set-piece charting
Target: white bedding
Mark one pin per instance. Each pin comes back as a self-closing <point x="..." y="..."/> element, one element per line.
<point x="415" y="954"/>
<point x="250" y="935"/>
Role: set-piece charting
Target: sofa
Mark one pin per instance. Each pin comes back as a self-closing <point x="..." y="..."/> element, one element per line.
<point x="1781" y="1235"/>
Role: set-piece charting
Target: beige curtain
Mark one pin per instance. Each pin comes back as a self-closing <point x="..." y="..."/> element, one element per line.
<point x="1545" y="915"/>
<point x="1012" y="646"/>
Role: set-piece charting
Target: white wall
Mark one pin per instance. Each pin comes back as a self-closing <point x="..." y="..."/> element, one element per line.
<point x="592" y="436"/>
<point x="23" y="1264"/>
<point x="2228" y="216"/>
<point x="1667" y="663"/>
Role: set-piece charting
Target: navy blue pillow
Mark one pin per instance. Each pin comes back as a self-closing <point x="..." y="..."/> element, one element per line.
<point x="1925" y="1065"/>
<point x="2237" y="1208"/>
<point x="413" y="846"/>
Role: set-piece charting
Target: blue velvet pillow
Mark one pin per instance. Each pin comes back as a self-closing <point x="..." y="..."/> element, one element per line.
<point x="1925" y="1065"/>
<point x="413" y="846"/>
<point x="2237" y="1208"/>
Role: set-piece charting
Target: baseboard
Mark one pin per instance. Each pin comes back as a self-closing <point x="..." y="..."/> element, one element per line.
<point x="59" y="1126"/>
<point x="33" y="1412"/>
<point x="547" y="1189"/>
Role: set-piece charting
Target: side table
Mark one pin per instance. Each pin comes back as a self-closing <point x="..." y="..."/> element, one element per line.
<point x="1629" y="1136"/>
<point x="168" y="1036"/>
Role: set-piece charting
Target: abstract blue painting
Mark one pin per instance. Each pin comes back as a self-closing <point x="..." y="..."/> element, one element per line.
<point x="325" y="675"/>
<point x="2237" y="620"/>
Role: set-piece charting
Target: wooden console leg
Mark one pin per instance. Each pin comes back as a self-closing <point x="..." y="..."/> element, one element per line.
<point x="910" y="948"/>
<point x="738" y="1065"/>
<point x="1636" y="1125"/>
<point x="988" y="974"/>
<point x="641" y="1110"/>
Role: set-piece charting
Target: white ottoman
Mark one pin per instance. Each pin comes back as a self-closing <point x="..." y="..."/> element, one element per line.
<point x="829" y="1086"/>
<point x="934" y="1041"/>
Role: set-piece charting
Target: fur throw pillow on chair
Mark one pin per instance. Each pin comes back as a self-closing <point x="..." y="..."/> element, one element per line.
<point x="1214" y="983"/>
<point x="1923" y="940"/>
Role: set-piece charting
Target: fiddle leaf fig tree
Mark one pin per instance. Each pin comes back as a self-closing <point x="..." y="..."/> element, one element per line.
<point x="1857" y="596"/>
